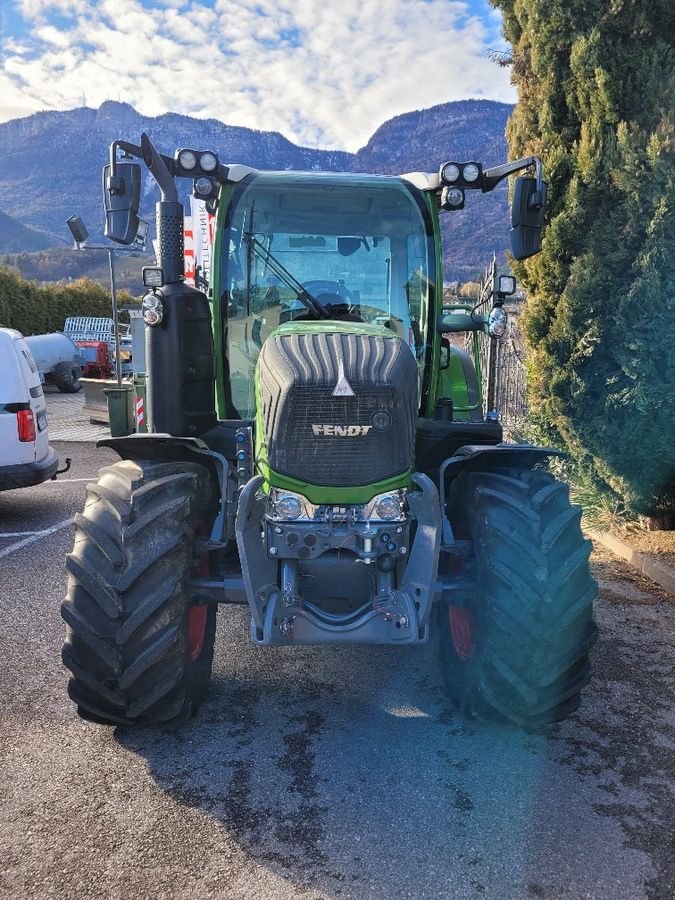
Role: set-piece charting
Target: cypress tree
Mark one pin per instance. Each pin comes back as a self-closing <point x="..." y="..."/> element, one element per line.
<point x="596" y="99"/>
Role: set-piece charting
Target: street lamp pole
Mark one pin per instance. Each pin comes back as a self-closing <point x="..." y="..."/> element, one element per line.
<point x="80" y="234"/>
<point x="116" y="323"/>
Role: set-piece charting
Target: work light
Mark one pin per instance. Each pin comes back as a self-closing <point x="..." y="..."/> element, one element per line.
<point x="187" y="159"/>
<point x="507" y="284"/>
<point x="449" y="173"/>
<point x="208" y="162"/>
<point x="205" y="188"/>
<point x="153" y="276"/>
<point x="471" y="172"/>
<point x="452" y="198"/>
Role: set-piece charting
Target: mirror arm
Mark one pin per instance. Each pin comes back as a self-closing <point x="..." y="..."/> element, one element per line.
<point x="156" y="160"/>
<point x="492" y="177"/>
<point x="126" y="148"/>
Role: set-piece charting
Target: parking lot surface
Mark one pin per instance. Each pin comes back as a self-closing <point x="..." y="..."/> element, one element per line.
<point x="67" y="421"/>
<point x="325" y="773"/>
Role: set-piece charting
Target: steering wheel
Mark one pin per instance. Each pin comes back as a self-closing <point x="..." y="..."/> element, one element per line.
<point x="320" y="286"/>
<point x="334" y="297"/>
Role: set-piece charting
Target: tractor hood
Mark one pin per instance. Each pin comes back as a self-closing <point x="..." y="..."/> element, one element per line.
<point x="337" y="407"/>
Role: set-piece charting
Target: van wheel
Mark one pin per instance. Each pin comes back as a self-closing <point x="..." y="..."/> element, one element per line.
<point x="66" y="377"/>
<point x="138" y="647"/>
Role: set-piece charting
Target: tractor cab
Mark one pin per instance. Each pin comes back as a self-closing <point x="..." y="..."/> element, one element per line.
<point x="307" y="248"/>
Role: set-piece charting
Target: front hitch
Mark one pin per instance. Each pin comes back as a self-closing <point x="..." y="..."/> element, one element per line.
<point x="273" y="569"/>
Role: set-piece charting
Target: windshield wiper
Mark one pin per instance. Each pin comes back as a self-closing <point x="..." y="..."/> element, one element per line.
<point x="282" y="273"/>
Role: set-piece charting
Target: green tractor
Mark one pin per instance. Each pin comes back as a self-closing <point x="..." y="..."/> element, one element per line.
<point x="319" y="451"/>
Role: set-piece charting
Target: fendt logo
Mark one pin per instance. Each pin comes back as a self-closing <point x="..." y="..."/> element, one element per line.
<point x="341" y="430"/>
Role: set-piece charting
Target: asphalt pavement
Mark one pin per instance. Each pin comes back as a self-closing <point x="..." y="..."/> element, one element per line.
<point x="325" y="773"/>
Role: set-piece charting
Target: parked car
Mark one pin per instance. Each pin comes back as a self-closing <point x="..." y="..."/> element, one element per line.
<point x="25" y="455"/>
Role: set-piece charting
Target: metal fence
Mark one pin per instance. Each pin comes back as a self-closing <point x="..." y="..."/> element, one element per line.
<point x="503" y="371"/>
<point x="511" y="391"/>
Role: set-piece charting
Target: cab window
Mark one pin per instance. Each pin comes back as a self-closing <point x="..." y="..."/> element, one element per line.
<point x="356" y="249"/>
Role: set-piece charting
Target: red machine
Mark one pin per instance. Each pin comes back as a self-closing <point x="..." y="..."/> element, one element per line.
<point x="98" y="363"/>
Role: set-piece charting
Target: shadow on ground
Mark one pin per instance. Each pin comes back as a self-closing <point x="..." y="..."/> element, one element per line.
<point x="346" y="771"/>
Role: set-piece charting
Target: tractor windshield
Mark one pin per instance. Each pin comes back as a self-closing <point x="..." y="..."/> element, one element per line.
<point x="300" y="247"/>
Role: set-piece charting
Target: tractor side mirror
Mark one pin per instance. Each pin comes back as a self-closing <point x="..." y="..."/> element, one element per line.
<point x="527" y="217"/>
<point x="121" y="198"/>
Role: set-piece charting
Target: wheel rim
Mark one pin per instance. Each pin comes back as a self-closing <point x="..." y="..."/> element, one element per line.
<point x="462" y="631"/>
<point x="196" y="630"/>
<point x="197" y="615"/>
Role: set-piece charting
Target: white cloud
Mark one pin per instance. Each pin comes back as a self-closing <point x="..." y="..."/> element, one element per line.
<point x="323" y="75"/>
<point x="50" y="35"/>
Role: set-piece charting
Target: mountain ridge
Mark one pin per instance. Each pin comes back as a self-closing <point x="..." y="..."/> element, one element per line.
<point x="50" y="163"/>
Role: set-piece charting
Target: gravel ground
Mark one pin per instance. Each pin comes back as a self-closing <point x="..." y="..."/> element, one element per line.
<point x="326" y="773"/>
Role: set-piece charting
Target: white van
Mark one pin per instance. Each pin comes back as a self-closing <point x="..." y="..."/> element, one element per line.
<point x="25" y="455"/>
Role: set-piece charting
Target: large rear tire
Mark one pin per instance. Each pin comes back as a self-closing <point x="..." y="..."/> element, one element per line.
<point x="138" y="651"/>
<point x="518" y="652"/>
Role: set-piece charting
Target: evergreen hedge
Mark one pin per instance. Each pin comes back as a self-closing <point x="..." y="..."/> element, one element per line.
<point x="596" y="88"/>
<point x="34" y="309"/>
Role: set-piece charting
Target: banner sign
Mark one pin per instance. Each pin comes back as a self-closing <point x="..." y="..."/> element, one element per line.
<point x="189" y="250"/>
<point x="198" y="234"/>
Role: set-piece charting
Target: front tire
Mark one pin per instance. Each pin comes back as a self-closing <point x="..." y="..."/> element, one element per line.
<point x="138" y="651"/>
<point x="518" y="651"/>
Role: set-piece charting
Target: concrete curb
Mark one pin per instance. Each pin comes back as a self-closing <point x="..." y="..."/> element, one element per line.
<point x="661" y="574"/>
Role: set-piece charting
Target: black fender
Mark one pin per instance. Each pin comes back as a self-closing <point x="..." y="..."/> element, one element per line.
<point x="186" y="449"/>
<point x="472" y="457"/>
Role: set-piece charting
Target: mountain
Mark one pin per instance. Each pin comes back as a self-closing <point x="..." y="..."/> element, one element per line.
<point x="50" y="164"/>
<point x="51" y="161"/>
<point x="16" y="237"/>
<point x="466" y="130"/>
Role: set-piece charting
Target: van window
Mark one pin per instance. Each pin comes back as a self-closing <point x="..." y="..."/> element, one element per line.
<point x="31" y="362"/>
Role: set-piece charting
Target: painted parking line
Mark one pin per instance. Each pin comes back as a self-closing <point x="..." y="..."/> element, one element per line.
<point x="34" y="536"/>
<point x="68" y="480"/>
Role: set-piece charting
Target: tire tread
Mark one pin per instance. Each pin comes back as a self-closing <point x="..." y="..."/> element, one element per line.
<point x="535" y="598"/>
<point x="127" y="602"/>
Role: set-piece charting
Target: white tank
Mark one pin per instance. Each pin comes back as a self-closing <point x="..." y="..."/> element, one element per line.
<point x="51" y="349"/>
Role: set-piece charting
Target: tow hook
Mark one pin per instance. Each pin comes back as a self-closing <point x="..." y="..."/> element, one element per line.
<point x="66" y="468"/>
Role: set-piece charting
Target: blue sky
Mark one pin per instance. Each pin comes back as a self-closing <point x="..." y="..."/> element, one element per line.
<point x="324" y="74"/>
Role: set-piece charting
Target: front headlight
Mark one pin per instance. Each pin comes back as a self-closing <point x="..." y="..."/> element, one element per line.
<point x="497" y="321"/>
<point x="153" y="309"/>
<point x="449" y="173"/>
<point x="388" y="507"/>
<point x="385" y="507"/>
<point x="287" y="506"/>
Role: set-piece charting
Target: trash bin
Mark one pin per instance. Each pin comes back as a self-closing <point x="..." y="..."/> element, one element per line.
<point x="119" y="410"/>
<point x="140" y="406"/>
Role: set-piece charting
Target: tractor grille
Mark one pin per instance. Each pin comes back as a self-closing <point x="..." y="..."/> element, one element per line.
<point x="338" y="441"/>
